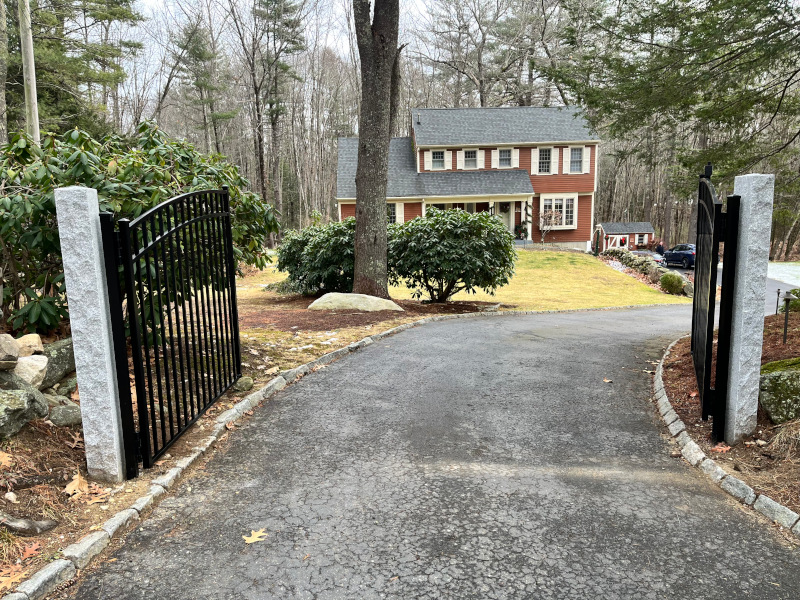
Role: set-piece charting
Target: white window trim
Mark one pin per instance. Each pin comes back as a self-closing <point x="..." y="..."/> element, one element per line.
<point x="462" y="159"/>
<point x="511" y="158"/>
<point x="444" y="151"/>
<point x="568" y="160"/>
<point x="553" y="160"/>
<point x="574" y="197"/>
<point x="586" y="160"/>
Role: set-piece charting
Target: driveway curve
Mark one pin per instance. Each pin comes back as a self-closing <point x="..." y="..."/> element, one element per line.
<point x="474" y="458"/>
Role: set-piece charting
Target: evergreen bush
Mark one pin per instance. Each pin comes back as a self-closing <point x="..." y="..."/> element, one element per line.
<point x="672" y="283"/>
<point x="131" y="175"/>
<point x="449" y="251"/>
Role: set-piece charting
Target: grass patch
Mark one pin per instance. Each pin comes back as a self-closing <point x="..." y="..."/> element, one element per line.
<point x="543" y="280"/>
<point x="565" y="280"/>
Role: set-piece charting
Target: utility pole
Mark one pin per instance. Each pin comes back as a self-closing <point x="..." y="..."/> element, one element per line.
<point x="28" y="70"/>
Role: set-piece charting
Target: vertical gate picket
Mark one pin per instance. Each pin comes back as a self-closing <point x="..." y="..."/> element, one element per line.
<point x="179" y="284"/>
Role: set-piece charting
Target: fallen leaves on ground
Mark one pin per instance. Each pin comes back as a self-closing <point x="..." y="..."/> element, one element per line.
<point x="9" y="576"/>
<point x="6" y="460"/>
<point x="77" y="486"/>
<point x="97" y="494"/>
<point x="31" y="550"/>
<point x="255" y="536"/>
<point x="77" y="440"/>
<point x="721" y="447"/>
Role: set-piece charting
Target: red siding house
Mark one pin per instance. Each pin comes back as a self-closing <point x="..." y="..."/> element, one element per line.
<point x="515" y="162"/>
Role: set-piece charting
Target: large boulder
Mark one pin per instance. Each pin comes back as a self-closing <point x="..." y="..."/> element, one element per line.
<point x="9" y="352"/>
<point x="779" y="393"/>
<point x="9" y="381"/>
<point x="362" y="302"/>
<point x="17" y="407"/>
<point x="32" y="369"/>
<point x="61" y="361"/>
<point x="66" y="415"/>
<point x="30" y="344"/>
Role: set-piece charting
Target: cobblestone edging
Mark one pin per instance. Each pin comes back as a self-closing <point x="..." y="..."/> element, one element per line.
<point x="737" y="488"/>
<point x="78" y="555"/>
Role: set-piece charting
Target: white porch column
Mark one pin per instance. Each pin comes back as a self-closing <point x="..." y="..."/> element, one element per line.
<point x="749" y="290"/>
<point x="78" y="215"/>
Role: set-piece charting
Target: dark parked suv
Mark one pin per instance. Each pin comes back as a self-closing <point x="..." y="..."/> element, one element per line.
<point x="682" y="254"/>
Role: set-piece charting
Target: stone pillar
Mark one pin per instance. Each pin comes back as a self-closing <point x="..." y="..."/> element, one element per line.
<point x="78" y="214"/>
<point x="750" y="288"/>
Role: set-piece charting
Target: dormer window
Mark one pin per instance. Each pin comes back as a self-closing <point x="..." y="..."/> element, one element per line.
<point x="505" y="158"/>
<point x="437" y="159"/>
<point x="470" y="159"/>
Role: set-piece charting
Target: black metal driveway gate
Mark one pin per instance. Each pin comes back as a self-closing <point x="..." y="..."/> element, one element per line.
<point x="173" y="270"/>
<point x="713" y="228"/>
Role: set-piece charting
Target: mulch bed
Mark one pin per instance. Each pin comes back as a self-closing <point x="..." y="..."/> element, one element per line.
<point x="766" y="469"/>
<point x="288" y="313"/>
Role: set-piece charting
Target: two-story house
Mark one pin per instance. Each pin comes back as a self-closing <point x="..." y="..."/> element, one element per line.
<point x="516" y="162"/>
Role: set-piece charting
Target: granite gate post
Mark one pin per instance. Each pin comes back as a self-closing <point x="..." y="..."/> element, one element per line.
<point x="78" y="213"/>
<point x="749" y="290"/>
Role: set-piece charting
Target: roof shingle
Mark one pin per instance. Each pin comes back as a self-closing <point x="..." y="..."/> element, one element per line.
<point x="505" y="125"/>
<point x="405" y="182"/>
<point x="630" y="227"/>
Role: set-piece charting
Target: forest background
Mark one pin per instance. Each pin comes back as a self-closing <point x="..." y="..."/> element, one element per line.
<point x="271" y="84"/>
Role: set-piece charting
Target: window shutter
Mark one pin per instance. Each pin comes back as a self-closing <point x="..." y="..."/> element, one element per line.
<point x="554" y="154"/>
<point x="495" y="158"/>
<point x="565" y="153"/>
<point x="481" y="159"/>
<point x="534" y="161"/>
<point x="460" y="160"/>
<point x="515" y="158"/>
<point x="428" y="160"/>
<point x="587" y="158"/>
<point x="448" y="160"/>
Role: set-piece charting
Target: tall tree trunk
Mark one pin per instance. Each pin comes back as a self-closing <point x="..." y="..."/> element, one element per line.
<point x="29" y="71"/>
<point x="3" y="73"/>
<point x="275" y="159"/>
<point x="259" y="138"/>
<point x="667" y="232"/>
<point x="377" y="48"/>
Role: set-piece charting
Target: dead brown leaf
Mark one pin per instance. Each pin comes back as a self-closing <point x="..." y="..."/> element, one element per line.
<point x="6" y="460"/>
<point x="77" y="486"/>
<point x="721" y="447"/>
<point x="255" y="536"/>
<point x="31" y="550"/>
<point x="77" y="440"/>
<point x="9" y="576"/>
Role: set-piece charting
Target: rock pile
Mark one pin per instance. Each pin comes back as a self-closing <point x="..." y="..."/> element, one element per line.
<point x="36" y="381"/>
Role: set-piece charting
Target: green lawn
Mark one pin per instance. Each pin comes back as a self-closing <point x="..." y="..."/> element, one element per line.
<point x="547" y="281"/>
<point x="564" y="280"/>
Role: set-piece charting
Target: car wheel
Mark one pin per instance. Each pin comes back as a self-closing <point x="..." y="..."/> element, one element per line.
<point x="685" y="263"/>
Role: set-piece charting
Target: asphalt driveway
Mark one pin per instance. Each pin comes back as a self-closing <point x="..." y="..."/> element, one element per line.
<point x="474" y="458"/>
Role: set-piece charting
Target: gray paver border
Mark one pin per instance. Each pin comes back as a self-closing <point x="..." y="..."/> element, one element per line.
<point x="82" y="552"/>
<point x="779" y="514"/>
